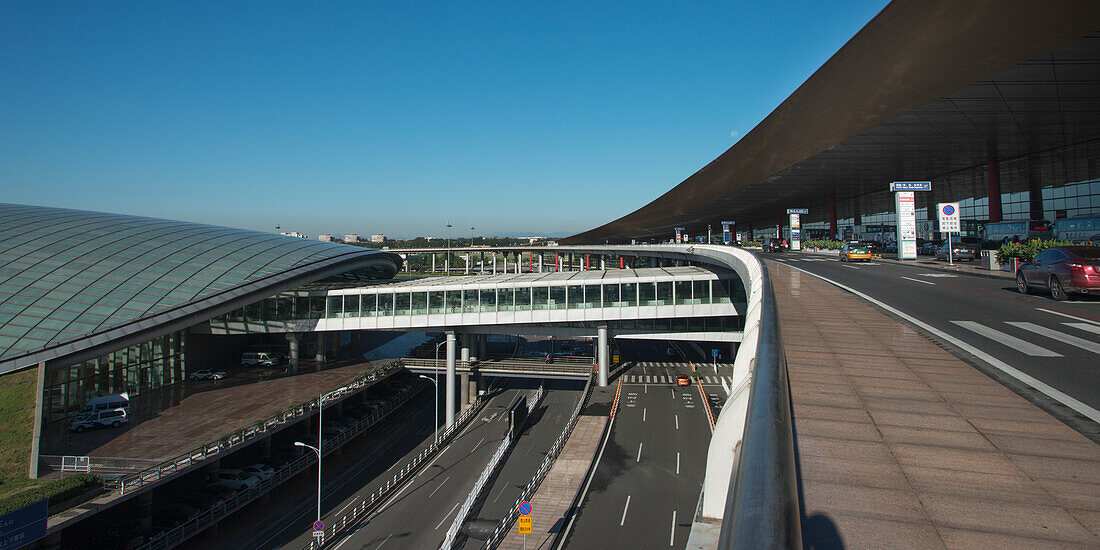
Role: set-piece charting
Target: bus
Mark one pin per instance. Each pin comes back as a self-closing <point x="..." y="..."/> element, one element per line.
<point x="1080" y="229"/>
<point x="1018" y="230"/>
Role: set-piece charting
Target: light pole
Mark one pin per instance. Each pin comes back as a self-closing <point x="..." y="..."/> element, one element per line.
<point x="317" y="449"/>
<point x="436" y="384"/>
<point x="472" y="247"/>
<point x="447" y="261"/>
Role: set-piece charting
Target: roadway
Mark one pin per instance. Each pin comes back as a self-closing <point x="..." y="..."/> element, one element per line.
<point x="419" y="514"/>
<point x="987" y="323"/>
<point x="646" y="487"/>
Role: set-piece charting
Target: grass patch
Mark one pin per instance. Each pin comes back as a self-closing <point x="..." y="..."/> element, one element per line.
<point x="16" y="424"/>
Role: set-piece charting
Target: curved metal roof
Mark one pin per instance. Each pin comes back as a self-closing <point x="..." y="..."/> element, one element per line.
<point x="926" y="87"/>
<point x="72" y="275"/>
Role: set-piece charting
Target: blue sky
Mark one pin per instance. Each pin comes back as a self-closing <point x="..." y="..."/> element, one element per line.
<point x="392" y="117"/>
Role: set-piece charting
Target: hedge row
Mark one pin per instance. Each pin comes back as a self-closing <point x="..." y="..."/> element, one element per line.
<point x="57" y="491"/>
<point x="1026" y="251"/>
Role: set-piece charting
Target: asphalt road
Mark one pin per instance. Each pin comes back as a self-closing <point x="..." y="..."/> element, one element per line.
<point x="1056" y="343"/>
<point x="419" y="515"/>
<point x="646" y="487"/>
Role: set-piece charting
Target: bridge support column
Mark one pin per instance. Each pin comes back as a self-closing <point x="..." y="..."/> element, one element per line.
<point x="540" y="262"/>
<point x="603" y="262"/>
<point x="475" y="384"/>
<point x="601" y="355"/>
<point x="495" y="264"/>
<point x="482" y="342"/>
<point x="295" y="350"/>
<point x="450" y="392"/>
<point x="433" y="263"/>
<point x="465" y="350"/>
<point x="320" y="355"/>
<point x="464" y="391"/>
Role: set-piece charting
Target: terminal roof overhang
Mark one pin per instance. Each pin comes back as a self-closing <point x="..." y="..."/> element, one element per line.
<point x="926" y="88"/>
<point x="75" y="285"/>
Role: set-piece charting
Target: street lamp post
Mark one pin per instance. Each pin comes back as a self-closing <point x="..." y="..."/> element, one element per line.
<point x="447" y="261"/>
<point x="317" y="449"/>
<point x="472" y="247"/>
<point x="436" y="384"/>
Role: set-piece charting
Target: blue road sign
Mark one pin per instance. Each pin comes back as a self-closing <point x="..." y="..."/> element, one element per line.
<point x="911" y="186"/>
<point x="714" y="352"/>
<point x="798" y="210"/>
<point x="948" y="210"/>
<point x="524" y="508"/>
<point x="23" y="526"/>
<point x="318" y="525"/>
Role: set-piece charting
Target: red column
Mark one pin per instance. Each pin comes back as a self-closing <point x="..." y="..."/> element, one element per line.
<point x="555" y="262"/>
<point x="586" y="266"/>
<point x="620" y="262"/>
<point x="993" y="180"/>
<point x="779" y="225"/>
<point x="832" y="218"/>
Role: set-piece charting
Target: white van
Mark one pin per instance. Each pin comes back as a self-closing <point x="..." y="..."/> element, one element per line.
<point x="102" y="403"/>
<point x="101" y="419"/>
<point x="261" y="358"/>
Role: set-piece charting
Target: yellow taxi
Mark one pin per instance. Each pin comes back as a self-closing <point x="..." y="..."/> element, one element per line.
<point x="855" y="251"/>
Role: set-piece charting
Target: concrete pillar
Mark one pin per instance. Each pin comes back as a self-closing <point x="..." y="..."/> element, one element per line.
<point x="540" y="263"/>
<point x="652" y="262"/>
<point x="482" y="384"/>
<point x="465" y="353"/>
<point x="320" y="355"/>
<point x="143" y="509"/>
<point x="40" y="395"/>
<point x="601" y="355"/>
<point x="469" y="260"/>
<point x="779" y="225"/>
<point x="482" y="341"/>
<point x="433" y="263"/>
<point x="405" y="259"/>
<point x="293" y="338"/>
<point x="603" y="262"/>
<point x="450" y="392"/>
<point x="464" y="391"/>
<point x="993" y="184"/>
<point x="475" y="384"/>
<point x="832" y="218"/>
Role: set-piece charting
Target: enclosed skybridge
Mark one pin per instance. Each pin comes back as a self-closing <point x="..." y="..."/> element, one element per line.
<point x="690" y="303"/>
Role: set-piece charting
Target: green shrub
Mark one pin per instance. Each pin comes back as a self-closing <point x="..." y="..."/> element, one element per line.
<point x="1026" y="251"/>
<point x="749" y="244"/>
<point x="824" y="244"/>
<point x="56" y="491"/>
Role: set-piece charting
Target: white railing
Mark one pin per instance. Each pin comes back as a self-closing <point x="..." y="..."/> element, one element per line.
<point x="536" y="480"/>
<point x="463" y="511"/>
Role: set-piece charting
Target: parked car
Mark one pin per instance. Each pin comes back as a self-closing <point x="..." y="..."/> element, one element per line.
<point x="1062" y="270"/>
<point x="102" y="419"/>
<point x="103" y="402"/>
<point x="928" y="249"/>
<point x="207" y="374"/>
<point x="965" y="248"/>
<point x="264" y="359"/>
<point x="260" y="470"/>
<point x="852" y="252"/>
<point x="772" y="244"/>
<point x="237" y="479"/>
<point x="683" y="380"/>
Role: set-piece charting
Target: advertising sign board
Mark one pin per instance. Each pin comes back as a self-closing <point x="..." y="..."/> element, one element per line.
<point x="905" y="205"/>
<point x="796" y="230"/>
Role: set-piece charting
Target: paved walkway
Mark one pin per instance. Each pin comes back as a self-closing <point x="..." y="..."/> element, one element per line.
<point x="903" y="445"/>
<point x="554" y="497"/>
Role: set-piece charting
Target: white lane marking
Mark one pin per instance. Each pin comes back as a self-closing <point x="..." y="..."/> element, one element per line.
<point x="1070" y="316"/>
<point x="850" y="266"/>
<point x="677" y="463"/>
<point x="1039" y="386"/>
<point x="376" y="547"/>
<point x="432" y="494"/>
<point x="1060" y="336"/>
<point x="918" y="281"/>
<point x="672" y="535"/>
<point x="677" y="417"/>
<point x="643" y="414"/>
<point x="1085" y="327"/>
<point x="625" y="508"/>
<point x="639" y="459"/>
<point x="1022" y="346"/>
<point x="445" y="517"/>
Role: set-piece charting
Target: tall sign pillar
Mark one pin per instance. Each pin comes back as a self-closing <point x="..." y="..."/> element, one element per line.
<point x="906" y="207"/>
<point x="726" y="236"/>
<point x="679" y="237"/>
<point x="796" y="226"/>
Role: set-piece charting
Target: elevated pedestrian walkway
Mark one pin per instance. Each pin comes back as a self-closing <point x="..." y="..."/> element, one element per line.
<point x="902" y="445"/>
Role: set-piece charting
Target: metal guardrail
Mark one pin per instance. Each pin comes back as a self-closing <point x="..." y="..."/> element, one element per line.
<point x="762" y="509"/>
<point x="369" y="504"/>
<point x="452" y="531"/>
<point x="506" y="522"/>
<point x="239" y="499"/>
<point x="579" y="369"/>
<point x="162" y="469"/>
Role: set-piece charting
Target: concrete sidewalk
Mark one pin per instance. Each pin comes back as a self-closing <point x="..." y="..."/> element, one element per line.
<point x="903" y="445"/>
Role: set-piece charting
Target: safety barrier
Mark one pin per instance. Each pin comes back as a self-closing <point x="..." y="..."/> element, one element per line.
<point x="576" y="368"/>
<point x="464" y="510"/>
<point x="130" y="482"/>
<point x="239" y="499"/>
<point x="536" y="480"/>
<point x="370" y="504"/>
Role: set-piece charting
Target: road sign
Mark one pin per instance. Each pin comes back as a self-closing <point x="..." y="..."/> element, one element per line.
<point x="948" y="214"/>
<point x="525" y="524"/>
<point x="318" y="525"/>
<point x="910" y="186"/>
<point x="714" y="352"/>
<point x="524" y="508"/>
<point x="23" y="526"/>
<point x="798" y="210"/>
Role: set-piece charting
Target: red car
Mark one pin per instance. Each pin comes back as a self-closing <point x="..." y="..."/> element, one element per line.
<point x="1062" y="270"/>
